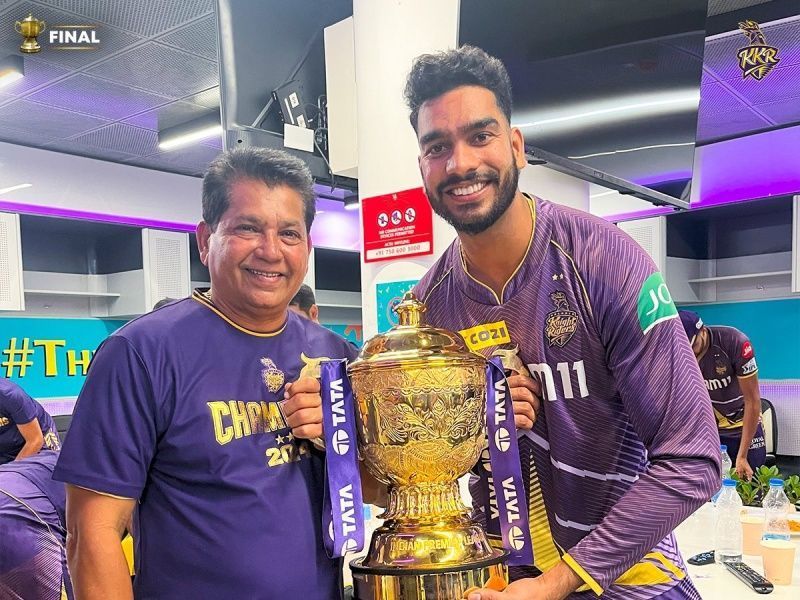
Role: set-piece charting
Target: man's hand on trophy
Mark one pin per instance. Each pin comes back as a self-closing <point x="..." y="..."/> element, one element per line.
<point x="525" y="392"/>
<point x="302" y="408"/>
<point x="558" y="583"/>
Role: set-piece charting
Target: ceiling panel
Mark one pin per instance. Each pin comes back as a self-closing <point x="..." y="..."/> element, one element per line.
<point x="199" y="38"/>
<point x="122" y="138"/>
<point x="169" y="115"/>
<point x="54" y="122"/>
<point x="191" y="161"/>
<point x="86" y="149"/>
<point x="37" y="73"/>
<point x="729" y="123"/>
<point x="98" y="97"/>
<point x="143" y="17"/>
<point x="160" y="69"/>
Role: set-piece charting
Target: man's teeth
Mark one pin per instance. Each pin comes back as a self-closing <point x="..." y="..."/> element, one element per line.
<point x="264" y="273"/>
<point x="470" y="189"/>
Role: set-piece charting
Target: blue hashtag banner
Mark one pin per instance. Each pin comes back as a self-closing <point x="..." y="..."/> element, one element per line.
<point x="49" y="358"/>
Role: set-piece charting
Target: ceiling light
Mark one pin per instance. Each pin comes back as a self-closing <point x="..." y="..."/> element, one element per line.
<point x="189" y="132"/>
<point x="12" y="68"/>
<point x="15" y="187"/>
<point x="351" y="202"/>
<point x="609" y="153"/>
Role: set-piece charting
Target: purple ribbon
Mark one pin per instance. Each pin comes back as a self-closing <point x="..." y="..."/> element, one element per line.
<point x="343" y="507"/>
<point x="509" y="505"/>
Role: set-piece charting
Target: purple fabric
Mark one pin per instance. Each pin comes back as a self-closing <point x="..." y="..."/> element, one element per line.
<point x="504" y="458"/>
<point x="181" y="411"/>
<point x="625" y="413"/>
<point x="18" y="408"/>
<point x="729" y="355"/>
<point x="343" y="510"/>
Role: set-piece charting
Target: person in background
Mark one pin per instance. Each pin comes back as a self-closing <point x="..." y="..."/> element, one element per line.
<point x="25" y="426"/>
<point x="728" y="364"/>
<point x="163" y="302"/>
<point x="195" y="418"/>
<point x="33" y="560"/>
<point x="304" y="303"/>
<point x="607" y="396"/>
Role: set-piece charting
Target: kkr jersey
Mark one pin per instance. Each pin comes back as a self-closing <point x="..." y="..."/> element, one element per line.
<point x="18" y="408"/>
<point x="181" y="411"/>
<point x="625" y="446"/>
<point x="728" y="357"/>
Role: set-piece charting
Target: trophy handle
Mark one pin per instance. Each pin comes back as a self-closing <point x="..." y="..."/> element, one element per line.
<point x="17" y="27"/>
<point x="44" y="26"/>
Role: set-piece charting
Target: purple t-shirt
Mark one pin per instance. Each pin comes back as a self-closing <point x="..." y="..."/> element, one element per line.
<point x="18" y="408"/>
<point x="730" y="355"/>
<point x="180" y="410"/>
<point x="625" y="446"/>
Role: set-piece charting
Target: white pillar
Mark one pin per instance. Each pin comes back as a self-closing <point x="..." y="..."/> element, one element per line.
<point x="555" y="186"/>
<point x="389" y="34"/>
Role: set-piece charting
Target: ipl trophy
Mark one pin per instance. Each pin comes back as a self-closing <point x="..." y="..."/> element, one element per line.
<point x="420" y="417"/>
<point x="29" y="28"/>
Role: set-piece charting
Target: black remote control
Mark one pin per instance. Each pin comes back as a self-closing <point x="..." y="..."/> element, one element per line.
<point x="756" y="582"/>
<point x="704" y="558"/>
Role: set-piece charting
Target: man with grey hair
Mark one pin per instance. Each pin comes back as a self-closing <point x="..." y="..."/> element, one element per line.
<point x="194" y="418"/>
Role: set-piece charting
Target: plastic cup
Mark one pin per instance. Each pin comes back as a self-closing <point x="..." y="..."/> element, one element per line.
<point x="778" y="561"/>
<point x="752" y="528"/>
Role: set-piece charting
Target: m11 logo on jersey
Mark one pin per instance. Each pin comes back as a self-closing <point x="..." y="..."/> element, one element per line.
<point x="747" y="350"/>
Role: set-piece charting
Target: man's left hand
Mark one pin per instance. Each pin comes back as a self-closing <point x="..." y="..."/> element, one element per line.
<point x="525" y="392"/>
<point x="743" y="468"/>
<point x="302" y="408"/>
<point x="523" y="589"/>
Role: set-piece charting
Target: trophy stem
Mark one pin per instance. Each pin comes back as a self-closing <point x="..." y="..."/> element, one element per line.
<point x="425" y="503"/>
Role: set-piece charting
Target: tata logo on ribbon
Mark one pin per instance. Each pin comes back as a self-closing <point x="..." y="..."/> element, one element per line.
<point x="502" y="440"/>
<point x="341" y="442"/>
<point x="757" y="59"/>
<point x="516" y="539"/>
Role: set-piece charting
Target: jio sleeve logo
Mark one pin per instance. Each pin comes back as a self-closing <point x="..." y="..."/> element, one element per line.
<point x="502" y="440"/>
<point x="515" y="538"/>
<point x="341" y="442"/>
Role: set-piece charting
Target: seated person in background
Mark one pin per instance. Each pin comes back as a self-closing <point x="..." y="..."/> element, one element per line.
<point x="304" y="303"/>
<point x="728" y="364"/>
<point x="25" y="426"/>
<point x="33" y="561"/>
<point x="195" y="418"/>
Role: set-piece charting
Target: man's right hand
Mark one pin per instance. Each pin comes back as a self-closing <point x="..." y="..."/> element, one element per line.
<point x="526" y="394"/>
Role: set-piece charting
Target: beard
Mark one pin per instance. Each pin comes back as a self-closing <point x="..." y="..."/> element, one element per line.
<point x="507" y="189"/>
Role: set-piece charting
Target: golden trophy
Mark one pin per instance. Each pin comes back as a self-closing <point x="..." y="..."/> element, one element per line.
<point x="29" y="28"/>
<point x="421" y="424"/>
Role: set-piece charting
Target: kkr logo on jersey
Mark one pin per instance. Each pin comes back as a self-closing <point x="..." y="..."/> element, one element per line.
<point x="720" y="367"/>
<point x="562" y="323"/>
<point x="655" y="303"/>
<point x="272" y="375"/>
<point x="4" y="421"/>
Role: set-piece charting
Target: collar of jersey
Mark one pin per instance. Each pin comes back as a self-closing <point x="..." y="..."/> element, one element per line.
<point x="201" y="296"/>
<point x="480" y="292"/>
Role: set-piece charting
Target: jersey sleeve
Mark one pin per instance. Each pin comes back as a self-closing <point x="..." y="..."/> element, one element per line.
<point x="665" y="399"/>
<point x="20" y="407"/>
<point x="113" y="433"/>
<point x="742" y="355"/>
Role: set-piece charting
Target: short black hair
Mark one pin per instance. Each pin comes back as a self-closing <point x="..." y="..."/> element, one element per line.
<point x="435" y="74"/>
<point x="304" y="298"/>
<point x="273" y="167"/>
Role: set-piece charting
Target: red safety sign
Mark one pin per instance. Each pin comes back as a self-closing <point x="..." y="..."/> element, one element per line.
<point x="397" y="225"/>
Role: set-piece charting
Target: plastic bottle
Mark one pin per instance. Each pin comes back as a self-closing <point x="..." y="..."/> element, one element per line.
<point x="726" y="467"/>
<point x="776" y="507"/>
<point x="728" y="529"/>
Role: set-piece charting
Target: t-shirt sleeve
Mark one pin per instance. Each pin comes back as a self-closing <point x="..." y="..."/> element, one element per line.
<point x="742" y="355"/>
<point x="113" y="433"/>
<point x="664" y="396"/>
<point x="20" y="407"/>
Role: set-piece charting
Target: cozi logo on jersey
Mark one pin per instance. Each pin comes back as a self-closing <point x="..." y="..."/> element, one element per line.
<point x="486" y="335"/>
<point x="757" y="59"/>
<point x="747" y="350"/>
<point x="654" y="304"/>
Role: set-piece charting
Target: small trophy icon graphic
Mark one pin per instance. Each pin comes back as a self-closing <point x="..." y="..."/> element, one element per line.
<point x="29" y="28"/>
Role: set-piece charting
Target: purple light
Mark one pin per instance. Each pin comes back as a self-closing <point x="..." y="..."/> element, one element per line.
<point x="639" y="214"/>
<point x="52" y="211"/>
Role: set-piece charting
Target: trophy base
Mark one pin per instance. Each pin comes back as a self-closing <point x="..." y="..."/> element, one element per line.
<point x="375" y="583"/>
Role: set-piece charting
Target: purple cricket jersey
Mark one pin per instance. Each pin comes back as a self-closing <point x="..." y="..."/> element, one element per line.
<point x="180" y="410"/>
<point x="625" y="446"/>
<point x="729" y="356"/>
<point x="32" y="559"/>
<point x="18" y="408"/>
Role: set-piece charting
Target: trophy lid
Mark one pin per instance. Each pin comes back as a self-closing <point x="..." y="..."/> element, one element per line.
<point x="411" y="340"/>
<point x="30" y="19"/>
